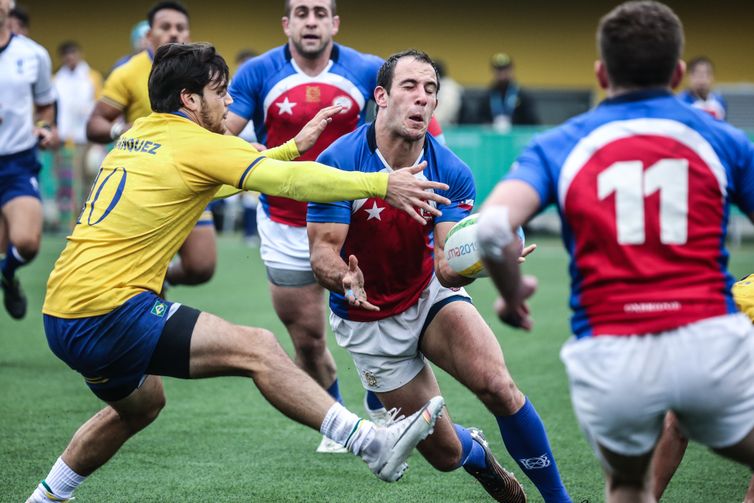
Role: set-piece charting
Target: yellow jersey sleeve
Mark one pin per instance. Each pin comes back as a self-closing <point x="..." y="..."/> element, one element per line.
<point x="743" y="294"/>
<point x="209" y="158"/>
<point x="127" y="87"/>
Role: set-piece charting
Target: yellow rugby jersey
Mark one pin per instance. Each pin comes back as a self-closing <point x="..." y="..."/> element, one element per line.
<point x="150" y="191"/>
<point x="127" y="87"/>
<point x="743" y="294"/>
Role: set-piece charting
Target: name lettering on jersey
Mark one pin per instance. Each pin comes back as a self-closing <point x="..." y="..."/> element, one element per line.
<point x="313" y="94"/>
<point x="652" y="307"/>
<point x="138" y="145"/>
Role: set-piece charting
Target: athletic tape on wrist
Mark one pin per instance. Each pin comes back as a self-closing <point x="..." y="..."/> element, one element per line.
<point x="494" y="232"/>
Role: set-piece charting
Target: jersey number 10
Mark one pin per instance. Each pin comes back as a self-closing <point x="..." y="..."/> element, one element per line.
<point x="631" y="184"/>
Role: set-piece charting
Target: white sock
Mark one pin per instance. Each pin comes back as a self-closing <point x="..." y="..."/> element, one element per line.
<point x="61" y="480"/>
<point x="347" y="429"/>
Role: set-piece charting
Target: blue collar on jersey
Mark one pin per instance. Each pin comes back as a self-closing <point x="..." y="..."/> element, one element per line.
<point x="181" y="114"/>
<point x="9" y="41"/>
<point x="644" y="94"/>
<point x="334" y="54"/>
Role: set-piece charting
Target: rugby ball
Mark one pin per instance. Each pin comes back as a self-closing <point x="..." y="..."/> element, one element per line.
<point x="461" y="250"/>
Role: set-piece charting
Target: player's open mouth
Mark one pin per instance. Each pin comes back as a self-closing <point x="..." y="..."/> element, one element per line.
<point x="311" y="37"/>
<point x="416" y="118"/>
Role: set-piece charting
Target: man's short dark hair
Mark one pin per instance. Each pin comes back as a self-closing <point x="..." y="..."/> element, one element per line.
<point x="387" y="71"/>
<point x="179" y="67"/>
<point x="699" y="60"/>
<point x="333" y="8"/>
<point x="640" y="42"/>
<point x="67" y="47"/>
<point x="21" y="14"/>
<point x="165" y="5"/>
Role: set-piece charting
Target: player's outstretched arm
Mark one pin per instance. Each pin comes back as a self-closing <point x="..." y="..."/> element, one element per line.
<point x="511" y="204"/>
<point x="314" y="182"/>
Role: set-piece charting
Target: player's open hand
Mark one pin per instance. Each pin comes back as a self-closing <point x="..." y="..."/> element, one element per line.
<point x="410" y="194"/>
<point x="307" y="137"/>
<point x="518" y="315"/>
<point x="353" y="286"/>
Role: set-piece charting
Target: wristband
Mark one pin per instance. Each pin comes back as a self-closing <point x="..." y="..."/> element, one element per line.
<point x="44" y="125"/>
<point x="116" y="130"/>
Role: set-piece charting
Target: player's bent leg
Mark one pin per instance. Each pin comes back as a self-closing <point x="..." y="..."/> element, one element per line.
<point x="198" y="257"/>
<point x="23" y="220"/>
<point x="668" y="455"/>
<point x="458" y="340"/>
<point x="627" y="477"/>
<point x="301" y="308"/>
<point x="97" y="440"/>
<point x="221" y="348"/>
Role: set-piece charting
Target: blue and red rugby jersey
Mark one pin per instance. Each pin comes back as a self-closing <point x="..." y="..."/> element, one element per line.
<point x="643" y="185"/>
<point x="396" y="253"/>
<point x="272" y="91"/>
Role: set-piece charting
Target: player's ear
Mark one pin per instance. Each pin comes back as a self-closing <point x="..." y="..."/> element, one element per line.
<point x="678" y="72"/>
<point x="380" y="96"/>
<point x="284" y="21"/>
<point x="335" y="25"/>
<point x="600" y="71"/>
<point x="189" y="100"/>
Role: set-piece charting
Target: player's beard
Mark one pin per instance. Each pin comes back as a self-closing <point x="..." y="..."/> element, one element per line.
<point x="310" y="53"/>
<point x="216" y="126"/>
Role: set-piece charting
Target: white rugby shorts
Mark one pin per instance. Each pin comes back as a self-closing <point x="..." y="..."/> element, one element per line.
<point x="283" y="246"/>
<point x="622" y="386"/>
<point x="386" y="352"/>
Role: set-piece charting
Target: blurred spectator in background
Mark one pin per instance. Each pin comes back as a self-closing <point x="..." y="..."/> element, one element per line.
<point x="139" y="42"/>
<point x="78" y="87"/>
<point x="248" y="200"/>
<point x="18" y="21"/>
<point x="448" y="98"/>
<point x="699" y="94"/>
<point x="504" y="104"/>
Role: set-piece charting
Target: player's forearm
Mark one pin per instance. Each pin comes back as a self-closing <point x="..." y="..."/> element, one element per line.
<point x="45" y="114"/>
<point x="448" y="277"/>
<point x="328" y="267"/>
<point x="313" y="182"/>
<point x="99" y="129"/>
<point x="285" y="152"/>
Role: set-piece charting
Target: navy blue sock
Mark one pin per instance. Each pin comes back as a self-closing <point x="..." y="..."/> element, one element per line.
<point x="13" y="260"/>
<point x="334" y="391"/>
<point x="472" y="454"/>
<point x="526" y="440"/>
<point x="373" y="403"/>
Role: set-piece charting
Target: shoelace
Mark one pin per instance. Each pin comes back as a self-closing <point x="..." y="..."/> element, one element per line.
<point x="393" y="417"/>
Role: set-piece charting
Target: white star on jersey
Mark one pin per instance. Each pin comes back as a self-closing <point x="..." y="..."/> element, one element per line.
<point x="285" y="106"/>
<point x="374" y="212"/>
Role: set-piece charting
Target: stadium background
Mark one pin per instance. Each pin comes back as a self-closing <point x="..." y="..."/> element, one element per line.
<point x="551" y="41"/>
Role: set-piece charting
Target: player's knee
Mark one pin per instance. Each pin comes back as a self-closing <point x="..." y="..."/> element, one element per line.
<point x="198" y="271"/>
<point x="27" y="245"/>
<point x="309" y="344"/>
<point x="147" y="415"/>
<point x="626" y="480"/>
<point x="499" y="392"/>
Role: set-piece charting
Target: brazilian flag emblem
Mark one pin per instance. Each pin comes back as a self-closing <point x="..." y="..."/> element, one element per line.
<point x="159" y="308"/>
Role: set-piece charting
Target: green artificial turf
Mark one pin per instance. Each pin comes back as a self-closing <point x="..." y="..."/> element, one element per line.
<point x="219" y="441"/>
